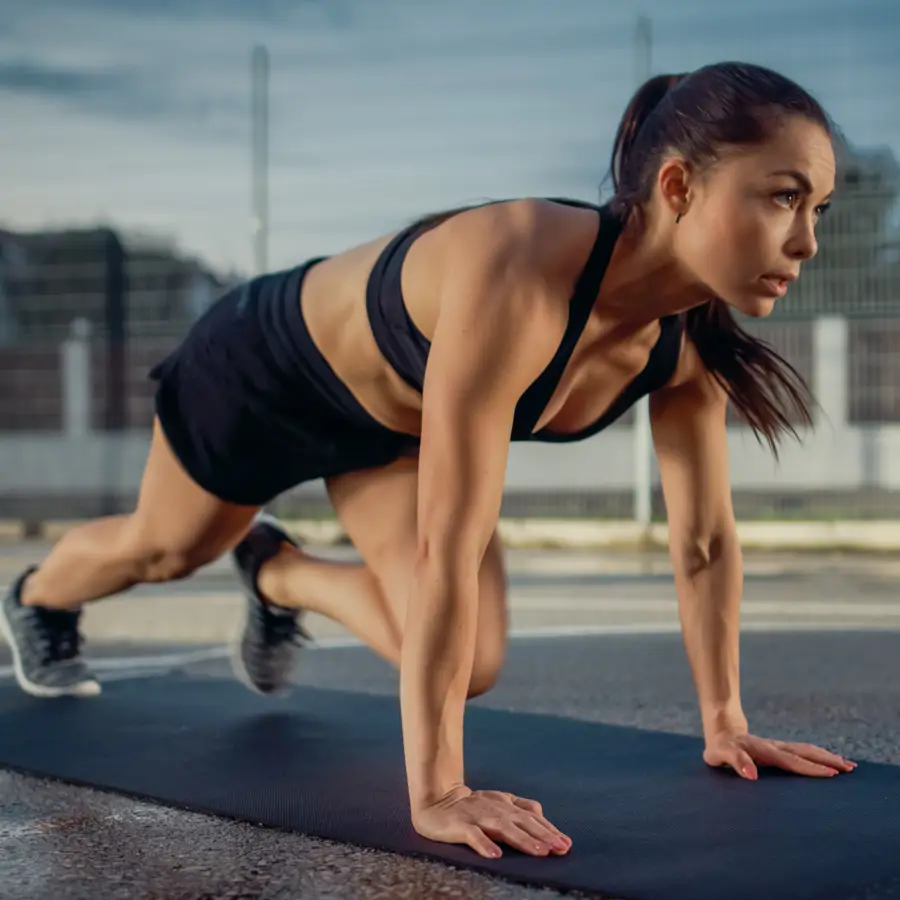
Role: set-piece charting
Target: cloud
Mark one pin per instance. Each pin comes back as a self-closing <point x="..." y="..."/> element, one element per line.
<point x="378" y="110"/>
<point x="331" y="12"/>
<point x="55" y="81"/>
<point x="115" y="91"/>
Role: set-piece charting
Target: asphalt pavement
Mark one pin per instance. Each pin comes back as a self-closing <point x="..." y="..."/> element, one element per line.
<point x="595" y="640"/>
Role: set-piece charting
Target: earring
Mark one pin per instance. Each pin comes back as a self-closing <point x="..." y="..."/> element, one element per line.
<point x="678" y="218"/>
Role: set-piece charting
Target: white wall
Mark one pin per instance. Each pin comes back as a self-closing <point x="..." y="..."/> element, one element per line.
<point x="856" y="458"/>
<point x="835" y="456"/>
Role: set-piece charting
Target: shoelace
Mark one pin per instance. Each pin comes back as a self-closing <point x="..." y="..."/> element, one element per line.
<point x="282" y="627"/>
<point x="58" y="635"/>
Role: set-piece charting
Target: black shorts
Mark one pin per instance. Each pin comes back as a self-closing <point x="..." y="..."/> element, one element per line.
<point x="251" y="408"/>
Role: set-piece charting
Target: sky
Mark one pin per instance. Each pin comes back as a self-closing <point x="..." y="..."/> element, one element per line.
<point x="136" y="113"/>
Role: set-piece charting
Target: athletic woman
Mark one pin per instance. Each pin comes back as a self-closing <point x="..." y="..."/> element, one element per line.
<point x="400" y="371"/>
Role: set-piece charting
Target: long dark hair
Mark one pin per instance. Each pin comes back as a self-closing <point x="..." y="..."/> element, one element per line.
<point x="696" y="115"/>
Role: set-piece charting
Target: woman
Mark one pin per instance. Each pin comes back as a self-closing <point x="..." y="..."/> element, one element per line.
<point x="539" y="320"/>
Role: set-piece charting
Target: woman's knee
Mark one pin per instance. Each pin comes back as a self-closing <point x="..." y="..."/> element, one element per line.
<point x="172" y="564"/>
<point x="490" y="656"/>
<point x="484" y="676"/>
<point x="490" y="649"/>
<point x="390" y="561"/>
<point x="178" y="526"/>
<point x="157" y="559"/>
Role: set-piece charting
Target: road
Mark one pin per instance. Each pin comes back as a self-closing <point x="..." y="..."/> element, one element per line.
<point x="596" y="638"/>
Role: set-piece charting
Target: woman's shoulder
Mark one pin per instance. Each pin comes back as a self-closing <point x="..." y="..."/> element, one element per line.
<point x="526" y="218"/>
<point x="539" y="237"/>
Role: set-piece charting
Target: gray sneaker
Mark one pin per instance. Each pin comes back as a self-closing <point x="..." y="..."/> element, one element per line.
<point x="46" y="647"/>
<point x="266" y="652"/>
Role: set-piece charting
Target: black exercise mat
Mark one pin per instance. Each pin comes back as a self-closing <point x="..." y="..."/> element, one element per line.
<point x="648" y="818"/>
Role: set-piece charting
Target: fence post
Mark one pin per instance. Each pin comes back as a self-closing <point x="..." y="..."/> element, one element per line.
<point x="116" y="412"/>
<point x="115" y="420"/>
<point x="831" y="371"/>
<point x="76" y="379"/>
<point x="643" y="442"/>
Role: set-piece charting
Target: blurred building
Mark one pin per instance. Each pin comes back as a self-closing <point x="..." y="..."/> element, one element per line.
<point x="49" y="279"/>
<point x="56" y="285"/>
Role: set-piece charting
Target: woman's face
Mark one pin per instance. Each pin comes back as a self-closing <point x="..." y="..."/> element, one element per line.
<point x="750" y="220"/>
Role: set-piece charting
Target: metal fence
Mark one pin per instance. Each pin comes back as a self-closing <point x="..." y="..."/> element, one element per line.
<point x="85" y="312"/>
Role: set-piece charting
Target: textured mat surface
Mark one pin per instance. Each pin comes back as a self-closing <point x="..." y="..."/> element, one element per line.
<point x="648" y="818"/>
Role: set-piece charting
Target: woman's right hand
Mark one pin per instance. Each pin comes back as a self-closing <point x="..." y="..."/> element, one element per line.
<point x="479" y="818"/>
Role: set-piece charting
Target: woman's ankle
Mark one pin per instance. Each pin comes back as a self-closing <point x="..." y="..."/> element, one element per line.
<point x="25" y="590"/>
<point x="271" y="578"/>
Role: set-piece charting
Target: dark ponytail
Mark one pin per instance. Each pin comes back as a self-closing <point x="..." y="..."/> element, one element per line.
<point x="697" y="115"/>
<point x="626" y="159"/>
<point x="764" y="388"/>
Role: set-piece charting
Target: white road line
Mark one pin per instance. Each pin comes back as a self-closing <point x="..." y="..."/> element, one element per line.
<point x="169" y="660"/>
<point x="564" y="603"/>
<point x="135" y="664"/>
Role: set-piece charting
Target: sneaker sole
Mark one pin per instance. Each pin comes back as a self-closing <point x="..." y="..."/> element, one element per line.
<point x="89" y="688"/>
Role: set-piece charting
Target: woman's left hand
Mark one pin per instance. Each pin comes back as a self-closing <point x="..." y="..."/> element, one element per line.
<point x="743" y="752"/>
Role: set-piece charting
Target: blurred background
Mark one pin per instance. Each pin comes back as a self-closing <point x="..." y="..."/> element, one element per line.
<point x="155" y="152"/>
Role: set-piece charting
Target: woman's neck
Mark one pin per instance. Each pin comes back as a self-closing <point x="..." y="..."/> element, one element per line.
<point x="644" y="280"/>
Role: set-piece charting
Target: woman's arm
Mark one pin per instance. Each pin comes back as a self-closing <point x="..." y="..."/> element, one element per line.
<point x="496" y="331"/>
<point x="690" y="436"/>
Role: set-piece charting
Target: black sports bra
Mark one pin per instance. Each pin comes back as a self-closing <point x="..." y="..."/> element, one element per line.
<point x="406" y="348"/>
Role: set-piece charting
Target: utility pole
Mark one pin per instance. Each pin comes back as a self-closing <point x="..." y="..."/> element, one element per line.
<point x="259" y="82"/>
<point x="643" y="442"/>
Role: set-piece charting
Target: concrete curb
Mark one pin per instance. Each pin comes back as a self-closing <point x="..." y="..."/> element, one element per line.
<point x="11" y="530"/>
<point x="869" y="536"/>
<point x="589" y="534"/>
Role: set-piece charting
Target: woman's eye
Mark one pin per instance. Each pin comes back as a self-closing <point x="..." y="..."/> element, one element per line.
<point x="791" y="197"/>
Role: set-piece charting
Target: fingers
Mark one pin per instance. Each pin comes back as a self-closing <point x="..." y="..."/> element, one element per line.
<point x="485" y="819"/>
<point x="818" y="755"/>
<point x="532" y="820"/>
<point x="516" y="833"/>
<point x="550" y="832"/>
<point x="743" y="764"/>
<point x="531" y="806"/>
<point x="550" y="837"/>
<point x="520" y="823"/>
<point x="731" y="755"/>
<point x="804" y="759"/>
<point x="480" y="842"/>
<point x="793" y="762"/>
